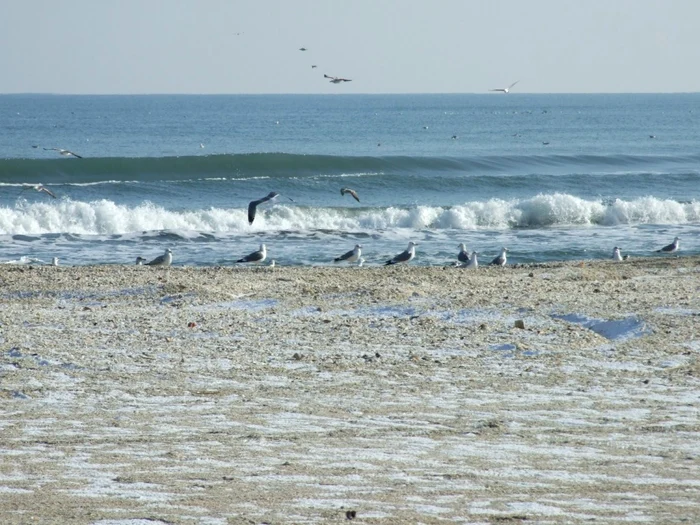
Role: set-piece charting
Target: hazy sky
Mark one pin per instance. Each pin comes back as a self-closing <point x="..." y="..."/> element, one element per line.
<point x="385" y="46"/>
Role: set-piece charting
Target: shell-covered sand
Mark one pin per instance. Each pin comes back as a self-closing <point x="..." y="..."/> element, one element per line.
<point x="138" y="395"/>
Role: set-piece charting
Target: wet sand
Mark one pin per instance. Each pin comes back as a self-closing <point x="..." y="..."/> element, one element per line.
<point x="134" y="395"/>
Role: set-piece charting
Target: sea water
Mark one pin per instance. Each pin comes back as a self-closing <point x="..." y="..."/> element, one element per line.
<point x="551" y="177"/>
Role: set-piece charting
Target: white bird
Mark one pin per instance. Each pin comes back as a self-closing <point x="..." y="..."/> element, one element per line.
<point x="337" y="80"/>
<point x="673" y="247"/>
<point x="505" y="90"/>
<point x="54" y="261"/>
<point x="463" y="255"/>
<point x="501" y="259"/>
<point x="140" y="260"/>
<point x="617" y="256"/>
<point x="405" y="256"/>
<point x="162" y="260"/>
<point x="40" y="188"/>
<point x="343" y="191"/>
<point x="256" y="257"/>
<point x="65" y="152"/>
<point x="272" y="264"/>
<point x="473" y="261"/>
<point x="253" y="205"/>
<point x="360" y="262"/>
<point x="351" y="256"/>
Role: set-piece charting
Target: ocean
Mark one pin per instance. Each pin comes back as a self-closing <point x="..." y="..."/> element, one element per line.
<point x="551" y="177"/>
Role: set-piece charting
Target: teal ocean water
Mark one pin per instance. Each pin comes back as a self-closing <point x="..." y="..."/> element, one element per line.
<point x="552" y="177"/>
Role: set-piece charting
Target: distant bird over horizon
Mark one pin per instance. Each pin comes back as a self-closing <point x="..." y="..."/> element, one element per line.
<point x="670" y="248"/>
<point x="162" y="260"/>
<point x="313" y="66"/>
<point x="505" y="90"/>
<point x="352" y="192"/>
<point x="256" y="257"/>
<point x="64" y="152"/>
<point x="302" y="49"/>
<point x="405" y="256"/>
<point x="352" y="256"/>
<point x="501" y="259"/>
<point x="253" y="205"/>
<point x="336" y="80"/>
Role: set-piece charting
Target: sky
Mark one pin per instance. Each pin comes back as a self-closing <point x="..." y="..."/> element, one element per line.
<point x="384" y="46"/>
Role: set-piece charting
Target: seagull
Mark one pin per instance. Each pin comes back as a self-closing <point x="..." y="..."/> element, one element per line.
<point x="505" y="90"/>
<point x="404" y="256"/>
<point x="673" y="247"/>
<point x="351" y="256"/>
<point x="65" y="152"/>
<point x="272" y="264"/>
<point x="140" y="260"/>
<point x="254" y="204"/>
<point x="360" y="262"/>
<point x="39" y="188"/>
<point x="313" y="66"/>
<point x="343" y="191"/>
<point x="473" y="262"/>
<point x="162" y="260"/>
<point x="617" y="256"/>
<point x="337" y="80"/>
<point x="302" y="49"/>
<point x="54" y="261"/>
<point x="257" y="256"/>
<point x="501" y="259"/>
<point x="463" y="255"/>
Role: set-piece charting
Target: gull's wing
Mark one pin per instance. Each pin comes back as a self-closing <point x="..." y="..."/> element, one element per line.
<point x="513" y="84"/>
<point x="158" y="260"/>
<point x="497" y="89"/>
<point x="463" y="257"/>
<point x="74" y="154"/>
<point x="256" y="256"/>
<point x="46" y="190"/>
<point x="351" y="192"/>
<point x="498" y="261"/>
<point x="252" y="206"/>
<point x="345" y="256"/>
<point x="402" y="257"/>
<point x="328" y="76"/>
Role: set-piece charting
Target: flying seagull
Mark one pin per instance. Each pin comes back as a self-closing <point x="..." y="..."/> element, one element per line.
<point x="302" y="49"/>
<point x="617" y="256"/>
<point x="314" y="66"/>
<point x="162" y="260"/>
<point x="351" y="256"/>
<point x="404" y="256"/>
<point x="501" y="259"/>
<point x="39" y="188"/>
<point x="505" y="90"/>
<point x="673" y="247"/>
<point x="64" y="152"/>
<point x="252" y="206"/>
<point x="257" y="256"/>
<point x="463" y="255"/>
<point x="337" y="80"/>
<point x="343" y="191"/>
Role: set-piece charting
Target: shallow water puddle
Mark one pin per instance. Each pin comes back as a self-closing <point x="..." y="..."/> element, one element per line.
<point x="627" y="328"/>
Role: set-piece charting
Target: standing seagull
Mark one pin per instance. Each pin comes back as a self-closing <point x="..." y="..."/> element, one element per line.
<point x="353" y="255"/>
<point x="336" y="80"/>
<point x="473" y="261"/>
<point x="673" y="247"/>
<point x="65" y="152"/>
<point x="140" y="260"/>
<point x="162" y="260"/>
<point x="257" y="256"/>
<point x="463" y="255"/>
<point x="505" y="90"/>
<point x="254" y="204"/>
<point x="404" y="256"/>
<point x="617" y="256"/>
<point x="343" y="191"/>
<point x="501" y="259"/>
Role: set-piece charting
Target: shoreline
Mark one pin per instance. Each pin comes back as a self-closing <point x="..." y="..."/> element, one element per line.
<point x="296" y="394"/>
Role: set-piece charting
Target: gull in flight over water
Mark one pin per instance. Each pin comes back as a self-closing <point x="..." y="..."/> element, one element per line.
<point x="463" y="255"/>
<point x="405" y="256"/>
<point x="352" y="256"/>
<point x="256" y="257"/>
<point x="64" y="152"/>
<point x="673" y="247"/>
<point x="501" y="259"/>
<point x="336" y="80"/>
<point x="617" y="256"/>
<point x="505" y="90"/>
<point x="162" y="260"/>
<point x="40" y="188"/>
<point x="253" y="205"/>
<point x="343" y="191"/>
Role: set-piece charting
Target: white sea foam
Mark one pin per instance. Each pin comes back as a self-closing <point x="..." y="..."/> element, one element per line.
<point x="105" y="217"/>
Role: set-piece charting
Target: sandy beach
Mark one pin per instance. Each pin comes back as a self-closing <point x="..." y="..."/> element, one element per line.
<point x="546" y="393"/>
